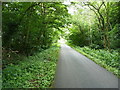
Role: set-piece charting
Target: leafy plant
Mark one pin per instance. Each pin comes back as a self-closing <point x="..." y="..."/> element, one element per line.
<point x="33" y="72"/>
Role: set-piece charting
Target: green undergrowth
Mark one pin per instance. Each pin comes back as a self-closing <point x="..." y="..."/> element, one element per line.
<point x="33" y="72"/>
<point x="108" y="60"/>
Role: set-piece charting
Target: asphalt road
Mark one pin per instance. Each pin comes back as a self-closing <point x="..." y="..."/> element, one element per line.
<point x="77" y="71"/>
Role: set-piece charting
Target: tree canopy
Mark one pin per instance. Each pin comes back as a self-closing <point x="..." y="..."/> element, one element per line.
<point x="32" y="26"/>
<point x="96" y="24"/>
<point x="32" y="31"/>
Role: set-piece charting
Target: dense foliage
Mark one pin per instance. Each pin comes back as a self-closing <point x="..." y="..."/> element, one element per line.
<point x="32" y="26"/>
<point x="30" y="29"/>
<point x="36" y="71"/>
<point x="96" y="24"/>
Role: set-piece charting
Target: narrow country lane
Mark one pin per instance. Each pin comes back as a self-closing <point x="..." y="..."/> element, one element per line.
<point x="77" y="71"/>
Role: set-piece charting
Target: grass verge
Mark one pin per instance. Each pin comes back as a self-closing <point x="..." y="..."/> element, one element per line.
<point x="33" y="72"/>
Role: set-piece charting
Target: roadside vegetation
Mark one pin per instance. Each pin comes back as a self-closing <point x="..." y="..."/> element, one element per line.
<point x="29" y="42"/>
<point x="95" y="32"/>
<point x="31" y="31"/>
<point x="35" y="71"/>
<point x="107" y="59"/>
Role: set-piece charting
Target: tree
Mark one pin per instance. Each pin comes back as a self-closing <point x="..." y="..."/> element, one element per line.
<point x="33" y="26"/>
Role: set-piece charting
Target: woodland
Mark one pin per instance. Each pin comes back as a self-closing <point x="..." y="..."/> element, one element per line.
<point x="31" y="31"/>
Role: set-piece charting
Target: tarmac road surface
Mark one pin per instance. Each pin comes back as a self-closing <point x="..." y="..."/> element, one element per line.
<point x="74" y="70"/>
